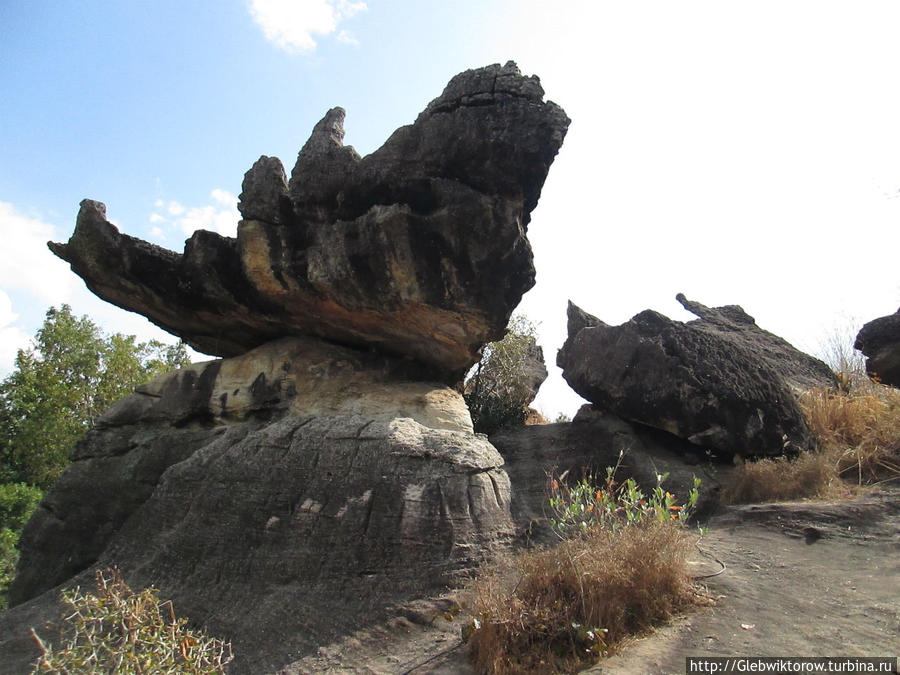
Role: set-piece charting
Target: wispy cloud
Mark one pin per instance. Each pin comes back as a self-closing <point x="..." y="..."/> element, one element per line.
<point x="31" y="278"/>
<point x="25" y="262"/>
<point x="12" y="338"/>
<point x="220" y="216"/>
<point x="290" y="24"/>
<point x="345" y="37"/>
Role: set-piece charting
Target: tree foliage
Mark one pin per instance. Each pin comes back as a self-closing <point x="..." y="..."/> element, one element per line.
<point x="61" y="385"/>
<point x="57" y="390"/>
<point x="17" y="502"/>
<point x="500" y="386"/>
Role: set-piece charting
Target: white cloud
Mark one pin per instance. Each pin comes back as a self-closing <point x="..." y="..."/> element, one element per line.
<point x="12" y="338"/>
<point x="224" y="197"/>
<point x="25" y="261"/>
<point x="345" y="37"/>
<point x="290" y="24"/>
<point x="221" y="217"/>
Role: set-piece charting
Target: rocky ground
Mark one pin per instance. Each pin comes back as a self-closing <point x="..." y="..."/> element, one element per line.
<point x="801" y="579"/>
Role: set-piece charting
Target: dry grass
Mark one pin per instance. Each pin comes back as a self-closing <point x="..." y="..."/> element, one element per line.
<point x="556" y="610"/>
<point x="858" y="435"/>
<point x="810" y="475"/>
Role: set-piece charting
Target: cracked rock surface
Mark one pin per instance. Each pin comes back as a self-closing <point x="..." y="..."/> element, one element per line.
<point x="418" y="249"/>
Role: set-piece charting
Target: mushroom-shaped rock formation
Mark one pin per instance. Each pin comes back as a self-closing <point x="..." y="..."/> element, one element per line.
<point x="285" y="498"/>
<point x="879" y="340"/>
<point x="417" y="250"/>
<point x="719" y="382"/>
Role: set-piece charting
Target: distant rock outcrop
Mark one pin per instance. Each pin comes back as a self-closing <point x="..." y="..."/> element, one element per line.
<point x="879" y="340"/>
<point x="417" y="250"/>
<point x="719" y="382"/>
<point x="284" y="498"/>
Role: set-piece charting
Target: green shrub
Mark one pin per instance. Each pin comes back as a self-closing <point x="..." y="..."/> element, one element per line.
<point x="611" y="506"/>
<point x="120" y="631"/>
<point x="17" y="502"/>
<point x="500" y="387"/>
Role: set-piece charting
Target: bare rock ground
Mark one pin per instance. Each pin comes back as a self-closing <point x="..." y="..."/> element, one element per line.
<point x="801" y="579"/>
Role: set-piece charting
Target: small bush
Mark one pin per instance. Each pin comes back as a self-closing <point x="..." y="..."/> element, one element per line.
<point x="620" y="569"/>
<point x="120" y="631"/>
<point x="500" y="386"/>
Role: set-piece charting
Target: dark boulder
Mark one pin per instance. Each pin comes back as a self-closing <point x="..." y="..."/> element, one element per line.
<point x="719" y="382"/>
<point x="284" y="498"/>
<point x="879" y="340"/>
<point x="731" y="322"/>
<point x="418" y="249"/>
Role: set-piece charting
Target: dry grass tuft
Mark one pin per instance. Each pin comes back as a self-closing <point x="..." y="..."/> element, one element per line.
<point x="619" y="569"/>
<point x="859" y="430"/>
<point x="858" y="435"/>
<point x="558" y="609"/>
<point x="811" y="474"/>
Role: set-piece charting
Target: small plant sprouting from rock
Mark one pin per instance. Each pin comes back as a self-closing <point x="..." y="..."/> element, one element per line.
<point x="620" y="569"/>
<point x="119" y="631"/>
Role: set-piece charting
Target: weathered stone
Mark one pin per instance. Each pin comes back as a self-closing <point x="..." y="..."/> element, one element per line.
<point x="798" y="369"/>
<point x="264" y="193"/>
<point x="879" y="340"/>
<point x="283" y="498"/>
<point x="534" y="369"/>
<point x="418" y="249"/>
<point x="719" y="382"/>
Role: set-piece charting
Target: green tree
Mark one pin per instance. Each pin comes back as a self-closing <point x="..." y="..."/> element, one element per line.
<point x="17" y="502"/>
<point x="502" y="384"/>
<point x="60" y="386"/>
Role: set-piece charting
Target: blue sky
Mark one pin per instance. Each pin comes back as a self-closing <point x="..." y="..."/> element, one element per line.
<point x="738" y="152"/>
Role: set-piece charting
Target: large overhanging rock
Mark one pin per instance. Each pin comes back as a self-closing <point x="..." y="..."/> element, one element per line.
<point x="879" y="340"/>
<point x="418" y="249"/>
<point x="720" y="381"/>
<point x="284" y="498"/>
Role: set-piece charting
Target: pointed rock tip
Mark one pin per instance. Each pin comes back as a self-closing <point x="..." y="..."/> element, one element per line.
<point x="579" y="319"/>
<point x="93" y="205"/>
<point x="331" y="127"/>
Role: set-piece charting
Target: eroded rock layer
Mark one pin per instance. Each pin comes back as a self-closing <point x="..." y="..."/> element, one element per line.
<point x="284" y="498"/>
<point x="719" y="382"/>
<point x="418" y="249"/>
